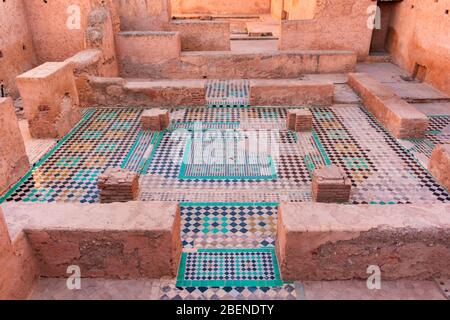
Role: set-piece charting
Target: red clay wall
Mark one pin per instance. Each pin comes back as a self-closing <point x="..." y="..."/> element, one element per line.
<point x="53" y="40"/>
<point x="276" y="8"/>
<point x="13" y="158"/>
<point x="143" y="15"/>
<point x="419" y="33"/>
<point x="337" y="25"/>
<point x="202" y="35"/>
<point x="220" y="6"/>
<point x="300" y="9"/>
<point x="16" y="47"/>
<point x="18" y="267"/>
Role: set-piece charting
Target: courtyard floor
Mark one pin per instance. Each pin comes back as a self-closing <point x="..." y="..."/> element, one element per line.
<point x="230" y="165"/>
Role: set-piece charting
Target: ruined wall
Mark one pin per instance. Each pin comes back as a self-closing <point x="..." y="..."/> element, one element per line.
<point x="13" y="158"/>
<point x="54" y="26"/>
<point x="16" y="47"/>
<point x="220" y="6"/>
<point x="143" y="15"/>
<point x="300" y="9"/>
<point x="419" y="34"/>
<point x="202" y="35"/>
<point x="337" y="25"/>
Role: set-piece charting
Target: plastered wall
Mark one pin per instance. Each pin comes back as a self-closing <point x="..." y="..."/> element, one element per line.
<point x="220" y="6"/>
<point x="16" y="46"/>
<point x="419" y="33"/>
<point x="337" y="25"/>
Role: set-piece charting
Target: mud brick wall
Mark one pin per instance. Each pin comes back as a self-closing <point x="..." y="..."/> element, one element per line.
<point x="18" y="267"/>
<point x="50" y="99"/>
<point x="119" y="92"/>
<point x="338" y="242"/>
<point x="202" y="35"/>
<point x="13" y="157"/>
<point x="290" y="93"/>
<point x="130" y="240"/>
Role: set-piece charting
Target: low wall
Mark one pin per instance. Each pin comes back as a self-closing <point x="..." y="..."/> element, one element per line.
<point x="339" y="242"/>
<point x="337" y="25"/>
<point x="143" y="14"/>
<point x="50" y="99"/>
<point x="439" y="164"/>
<point x="402" y="119"/>
<point x="121" y="240"/>
<point x="18" y="266"/>
<point x="202" y="35"/>
<point x="147" y="47"/>
<point x="13" y="157"/>
<point x="234" y="65"/>
<point x="104" y="92"/>
<point x="85" y="64"/>
<point x="290" y="93"/>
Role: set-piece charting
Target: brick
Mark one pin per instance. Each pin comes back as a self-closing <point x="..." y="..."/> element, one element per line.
<point x="155" y="120"/>
<point x="330" y="185"/>
<point x="118" y="185"/>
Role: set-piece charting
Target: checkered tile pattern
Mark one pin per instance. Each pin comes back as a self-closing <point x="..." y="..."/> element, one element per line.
<point x="229" y="267"/>
<point x="438" y="133"/>
<point x="285" y="292"/>
<point x="228" y="226"/>
<point x="102" y="140"/>
<point x="228" y="93"/>
<point x="381" y="170"/>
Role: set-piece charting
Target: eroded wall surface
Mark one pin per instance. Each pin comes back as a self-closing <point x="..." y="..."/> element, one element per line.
<point x="220" y="6"/>
<point x="143" y="15"/>
<point x="300" y="9"/>
<point x="58" y="27"/>
<point x="337" y="25"/>
<point x="419" y="33"/>
<point x="13" y="157"/>
<point x="16" y="46"/>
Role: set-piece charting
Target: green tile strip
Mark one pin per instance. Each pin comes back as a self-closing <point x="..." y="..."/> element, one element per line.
<point x="86" y="117"/>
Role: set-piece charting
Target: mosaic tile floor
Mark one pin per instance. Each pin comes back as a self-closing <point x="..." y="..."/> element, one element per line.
<point x="284" y="292"/>
<point x="246" y="161"/>
<point x="438" y="133"/>
<point x="227" y="93"/>
<point x="229" y="267"/>
<point x="276" y="168"/>
<point x="225" y="225"/>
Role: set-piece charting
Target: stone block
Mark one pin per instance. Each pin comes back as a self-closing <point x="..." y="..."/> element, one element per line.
<point x="13" y="157"/>
<point x="289" y="92"/>
<point x="329" y="184"/>
<point x="439" y="164"/>
<point x="155" y="120"/>
<point x="402" y="119"/>
<point x="118" y="185"/>
<point x="50" y="99"/>
<point x="299" y="120"/>
<point x="320" y="242"/>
